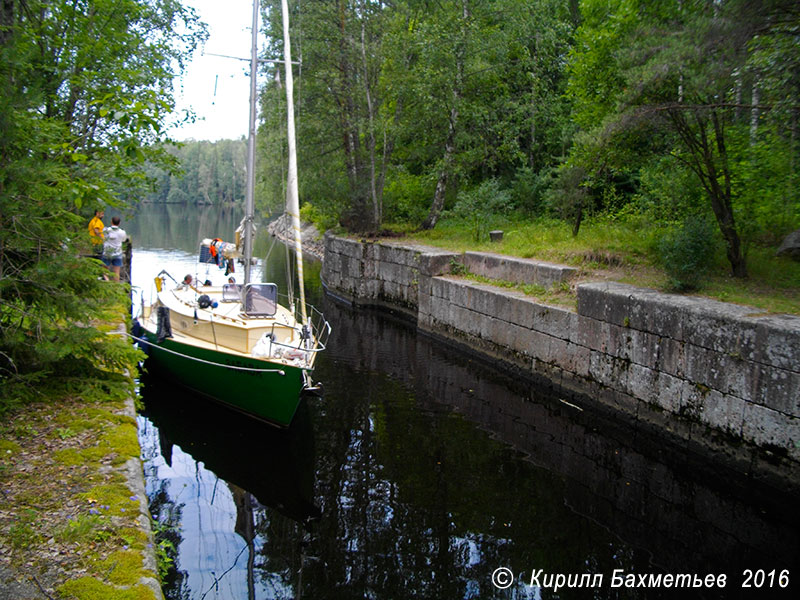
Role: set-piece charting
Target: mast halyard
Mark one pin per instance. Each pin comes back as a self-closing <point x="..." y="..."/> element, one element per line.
<point x="292" y="201"/>
<point x="249" y="208"/>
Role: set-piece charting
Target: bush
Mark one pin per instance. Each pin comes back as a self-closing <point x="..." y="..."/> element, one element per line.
<point x="407" y="196"/>
<point x="479" y="206"/>
<point x="529" y="188"/>
<point x="686" y="253"/>
<point x="322" y="220"/>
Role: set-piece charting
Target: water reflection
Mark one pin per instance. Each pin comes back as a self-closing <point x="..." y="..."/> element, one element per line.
<point x="180" y="226"/>
<point x="590" y="495"/>
<point x="220" y="481"/>
<point x="430" y="470"/>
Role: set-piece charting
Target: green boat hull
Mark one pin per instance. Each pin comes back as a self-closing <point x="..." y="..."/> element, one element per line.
<point x="267" y="395"/>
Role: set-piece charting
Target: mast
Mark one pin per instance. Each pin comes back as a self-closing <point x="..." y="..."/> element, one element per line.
<point x="249" y="208"/>
<point x="292" y="201"/>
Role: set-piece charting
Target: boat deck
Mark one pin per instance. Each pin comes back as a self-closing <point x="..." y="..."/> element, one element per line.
<point x="225" y="328"/>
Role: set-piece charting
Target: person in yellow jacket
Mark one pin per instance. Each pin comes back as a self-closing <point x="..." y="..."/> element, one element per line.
<point x="96" y="233"/>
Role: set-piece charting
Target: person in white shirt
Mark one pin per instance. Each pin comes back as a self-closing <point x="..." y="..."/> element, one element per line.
<point x="113" y="239"/>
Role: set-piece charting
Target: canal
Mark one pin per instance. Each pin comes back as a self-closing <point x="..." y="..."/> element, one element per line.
<point x="424" y="471"/>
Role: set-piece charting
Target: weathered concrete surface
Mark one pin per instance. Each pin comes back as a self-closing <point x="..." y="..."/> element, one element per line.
<point x="134" y="476"/>
<point x="313" y="245"/>
<point x="383" y="274"/>
<point x="710" y="373"/>
<point x="517" y="270"/>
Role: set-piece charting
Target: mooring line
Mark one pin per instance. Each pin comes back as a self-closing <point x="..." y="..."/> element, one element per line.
<point x="200" y="360"/>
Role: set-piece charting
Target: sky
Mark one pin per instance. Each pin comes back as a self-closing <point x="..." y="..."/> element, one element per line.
<point x="218" y="89"/>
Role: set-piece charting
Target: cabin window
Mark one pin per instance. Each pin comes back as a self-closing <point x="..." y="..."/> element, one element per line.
<point x="260" y="299"/>
<point x="232" y="292"/>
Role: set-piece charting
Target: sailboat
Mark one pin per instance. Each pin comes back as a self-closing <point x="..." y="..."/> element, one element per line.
<point x="237" y="343"/>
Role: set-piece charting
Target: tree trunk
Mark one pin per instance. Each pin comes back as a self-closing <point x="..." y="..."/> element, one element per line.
<point x="707" y="158"/>
<point x="724" y="201"/>
<point x="357" y="218"/>
<point x="444" y="174"/>
<point x="755" y="114"/>
<point x="388" y="148"/>
<point x="576" y="225"/>
<point x="377" y="204"/>
<point x="6" y="21"/>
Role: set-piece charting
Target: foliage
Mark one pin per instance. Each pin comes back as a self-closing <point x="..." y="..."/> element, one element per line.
<point x="85" y="98"/>
<point x="398" y="104"/>
<point x="529" y="190"/>
<point x="651" y="110"/>
<point x="568" y="197"/>
<point x="339" y="126"/>
<point x="694" y="81"/>
<point x="595" y="78"/>
<point x="477" y="207"/>
<point x="166" y="551"/>
<point x="686" y="253"/>
<point x="767" y="205"/>
<point x="407" y="196"/>
<point x="667" y="190"/>
<point x="311" y="214"/>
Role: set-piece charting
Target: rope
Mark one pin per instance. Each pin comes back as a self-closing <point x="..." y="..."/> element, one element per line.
<point x="200" y="360"/>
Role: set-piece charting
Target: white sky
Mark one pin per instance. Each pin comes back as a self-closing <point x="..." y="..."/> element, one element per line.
<point x="222" y="114"/>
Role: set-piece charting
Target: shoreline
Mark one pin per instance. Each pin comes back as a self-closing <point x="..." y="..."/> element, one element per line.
<point x="313" y="244"/>
<point x="75" y="519"/>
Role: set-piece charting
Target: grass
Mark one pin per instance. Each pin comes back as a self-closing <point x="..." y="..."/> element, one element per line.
<point x="624" y="250"/>
<point x="560" y="294"/>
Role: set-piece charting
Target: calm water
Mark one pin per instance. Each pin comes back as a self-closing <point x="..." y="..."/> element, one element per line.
<point x="422" y="471"/>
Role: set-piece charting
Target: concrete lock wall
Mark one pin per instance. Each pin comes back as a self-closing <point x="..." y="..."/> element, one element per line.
<point x="709" y="373"/>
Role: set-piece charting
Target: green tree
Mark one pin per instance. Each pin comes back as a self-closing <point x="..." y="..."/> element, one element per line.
<point x="496" y="73"/>
<point x="399" y="104"/>
<point x="210" y="173"/>
<point x="341" y="133"/>
<point x="688" y="78"/>
<point x="85" y="96"/>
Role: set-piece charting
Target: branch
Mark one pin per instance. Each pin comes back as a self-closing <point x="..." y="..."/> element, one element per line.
<point x="681" y="106"/>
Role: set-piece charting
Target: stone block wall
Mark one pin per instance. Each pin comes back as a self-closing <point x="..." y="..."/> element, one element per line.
<point x="517" y="270"/>
<point x="383" y="274"/>
<point x="727" y="366"/>
<point x="699" y="369"/>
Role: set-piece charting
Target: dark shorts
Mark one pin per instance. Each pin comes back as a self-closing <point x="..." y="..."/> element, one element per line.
<point x="112" y="262"/>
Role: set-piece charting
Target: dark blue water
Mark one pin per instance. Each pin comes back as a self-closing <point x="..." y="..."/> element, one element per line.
<point x="423" y="471"/>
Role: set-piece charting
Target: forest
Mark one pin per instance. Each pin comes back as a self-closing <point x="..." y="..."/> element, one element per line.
<point x="678" y="112"/>
<point x="210" y="173"/>
<point x="676" y="116"/>
<point x="681" y="113"/>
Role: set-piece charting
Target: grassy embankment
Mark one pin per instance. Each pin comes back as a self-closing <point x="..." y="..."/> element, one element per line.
<point x="626" y="252"/>
<point x="69" y="523"/>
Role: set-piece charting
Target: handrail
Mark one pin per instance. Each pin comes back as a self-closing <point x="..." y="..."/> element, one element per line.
<point x="200" y="360"/>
